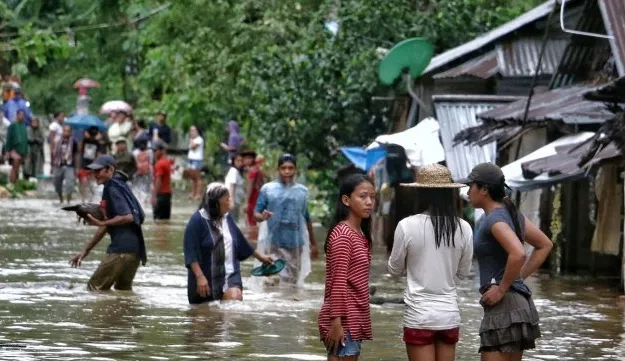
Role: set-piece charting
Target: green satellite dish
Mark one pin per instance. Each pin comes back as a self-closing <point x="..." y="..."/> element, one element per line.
<point x="412" y="55"/>
<point x="407" y="59"/>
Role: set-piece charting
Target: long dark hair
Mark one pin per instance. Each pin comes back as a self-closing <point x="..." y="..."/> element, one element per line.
<point x="346" y="188"/>
<point x="498" y="194"/>
<point x="441" y="204"/>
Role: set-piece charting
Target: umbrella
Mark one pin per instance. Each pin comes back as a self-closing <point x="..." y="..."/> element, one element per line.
<point x="115" y="106"/>
<point x="86" y="83"/>
<point x="85" y="121"/>
<point x="363" y="158"/>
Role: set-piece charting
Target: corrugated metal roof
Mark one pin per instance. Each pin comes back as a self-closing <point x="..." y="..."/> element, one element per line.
<point x="483" y="67"/>
<point x="613" y="13"/>
<point x="562" y="104"/>
<point x="487" y="38"/>
<point x="566" y="161"/>
<point x="519" y="57"/>
<point x="455" y="113"/>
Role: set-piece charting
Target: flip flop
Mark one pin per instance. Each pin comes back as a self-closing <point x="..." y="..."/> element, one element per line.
<point x="276" y="267"/>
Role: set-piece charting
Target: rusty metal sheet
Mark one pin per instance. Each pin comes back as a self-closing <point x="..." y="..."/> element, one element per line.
<point x="482" y="67"/>
<point x="563" y="104"/>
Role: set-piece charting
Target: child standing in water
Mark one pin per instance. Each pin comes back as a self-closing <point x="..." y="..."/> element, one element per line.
<point x="345" y="317"/>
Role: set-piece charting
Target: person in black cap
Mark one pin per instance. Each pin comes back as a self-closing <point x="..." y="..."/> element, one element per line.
<point x="124" y="217"/>
<point x="286" y="230"/>
<point x="503" y="266"/>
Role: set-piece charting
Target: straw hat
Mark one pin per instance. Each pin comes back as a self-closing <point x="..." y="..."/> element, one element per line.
<point x="434" y="176"/>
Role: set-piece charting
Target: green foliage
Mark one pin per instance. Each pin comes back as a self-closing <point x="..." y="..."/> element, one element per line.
<point x="292" y="84"/>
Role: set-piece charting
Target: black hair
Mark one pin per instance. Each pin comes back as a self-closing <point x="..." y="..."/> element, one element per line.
<point x="441" y="205"/>
<point x="346" y="188"/>
<point x="287" y="157"/>
<point x="498" y="194"/>
<point x="141" y="123"/>
<point x="57" y="114"/>
<point x="21" y="111"/>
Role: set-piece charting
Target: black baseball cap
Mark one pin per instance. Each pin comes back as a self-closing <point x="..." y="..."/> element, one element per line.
<point x="103" y="161"/>
<point x="485" y="173"/>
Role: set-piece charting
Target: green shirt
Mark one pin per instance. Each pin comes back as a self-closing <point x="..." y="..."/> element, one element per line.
<point x="17" y="139"/>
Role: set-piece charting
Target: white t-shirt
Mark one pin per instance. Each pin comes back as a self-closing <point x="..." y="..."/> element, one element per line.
<point x="229" y="259"/>
<point x="56" y="131"/>
<point x="198" y="152"/>
<point x="430" y="295"/>
<point x="234" y="177"/>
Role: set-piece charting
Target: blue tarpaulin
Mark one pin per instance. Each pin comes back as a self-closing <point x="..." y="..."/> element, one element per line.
<point x="363" y="158"/>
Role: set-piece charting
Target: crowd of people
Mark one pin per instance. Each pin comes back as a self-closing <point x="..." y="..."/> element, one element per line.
<point x="432" y="249"/>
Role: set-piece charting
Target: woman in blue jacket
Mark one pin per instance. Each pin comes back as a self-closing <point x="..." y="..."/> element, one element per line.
<point x="213" y="248"/>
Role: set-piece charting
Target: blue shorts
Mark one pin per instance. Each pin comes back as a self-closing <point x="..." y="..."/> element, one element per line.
<point x="195" y="164"/>
<point x="351" y="348"/>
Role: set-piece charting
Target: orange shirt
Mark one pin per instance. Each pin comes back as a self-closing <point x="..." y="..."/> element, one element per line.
<point x="162" y="169"/>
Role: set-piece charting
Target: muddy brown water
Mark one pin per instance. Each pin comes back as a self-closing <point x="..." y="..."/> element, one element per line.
<point x="46" y="313"/>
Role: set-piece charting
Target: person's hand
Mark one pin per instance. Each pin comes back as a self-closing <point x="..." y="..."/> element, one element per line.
<point x="202" y="286"/>
<point x="266" y="260"/>
<point x="336" y="336"/>
<point x="314" y="252"/>
<point x="493" y="295"/>
<point x="266" y="215"/>
<point x="77" y="259"/>
<point x="94" y="221"/>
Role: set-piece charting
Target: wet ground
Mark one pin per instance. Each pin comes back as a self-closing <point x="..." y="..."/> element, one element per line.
<point x="46" y="312"/>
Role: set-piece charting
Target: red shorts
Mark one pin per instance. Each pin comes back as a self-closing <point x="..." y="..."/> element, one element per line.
<point x="418" y="337"/>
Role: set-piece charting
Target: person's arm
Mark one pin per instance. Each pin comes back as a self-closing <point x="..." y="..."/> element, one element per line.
<point x="97" y="237"/>
<point x="121" y="208"/>
<point x="397" y="260"/>
<point x="542" y="247"/>
<point x="191" y="248"/>
<point x="466" y="259"/>
<point x="232" y="187"/>
<point x="260" y="210"/>
<point x="339" y="252"/>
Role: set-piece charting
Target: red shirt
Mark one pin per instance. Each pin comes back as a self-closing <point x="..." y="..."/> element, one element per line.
<point x="162" y="169"/>
<point x="347" y="293"/>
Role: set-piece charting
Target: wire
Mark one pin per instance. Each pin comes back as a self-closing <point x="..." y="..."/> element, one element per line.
<point x="100" y="26"/>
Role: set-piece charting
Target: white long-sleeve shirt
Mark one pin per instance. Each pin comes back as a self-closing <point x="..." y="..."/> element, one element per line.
<point x="430" y="296"/>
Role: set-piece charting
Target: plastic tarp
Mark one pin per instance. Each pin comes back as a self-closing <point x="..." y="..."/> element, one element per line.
<point x="363" y="158"/>
<point x="514" y="173"/>
<point x="421" y="143"/>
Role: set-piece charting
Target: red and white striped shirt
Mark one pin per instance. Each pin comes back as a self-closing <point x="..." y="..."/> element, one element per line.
<point x="347" y="284"/>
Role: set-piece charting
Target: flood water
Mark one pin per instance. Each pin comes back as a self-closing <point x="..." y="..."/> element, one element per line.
<point x="47" y="313"/>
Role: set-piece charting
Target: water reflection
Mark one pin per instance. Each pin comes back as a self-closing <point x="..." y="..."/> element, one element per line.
<point x="44" y="305"/>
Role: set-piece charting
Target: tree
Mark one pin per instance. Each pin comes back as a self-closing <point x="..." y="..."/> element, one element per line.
<point x="292" y="83"/>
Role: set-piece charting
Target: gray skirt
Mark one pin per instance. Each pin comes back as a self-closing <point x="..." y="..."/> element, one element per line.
<point x="509" y="326"/>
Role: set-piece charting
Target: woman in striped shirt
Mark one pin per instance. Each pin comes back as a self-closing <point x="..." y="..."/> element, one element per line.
<point x="345" y="317"/>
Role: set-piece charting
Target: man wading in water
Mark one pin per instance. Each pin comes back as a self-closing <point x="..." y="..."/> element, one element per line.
<point x="286" y="231"/>
<point x="124" y="217"/>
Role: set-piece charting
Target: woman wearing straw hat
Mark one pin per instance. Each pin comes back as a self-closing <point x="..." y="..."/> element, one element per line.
<point x="432" y="247"/>
<point x="510" y="323"/>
